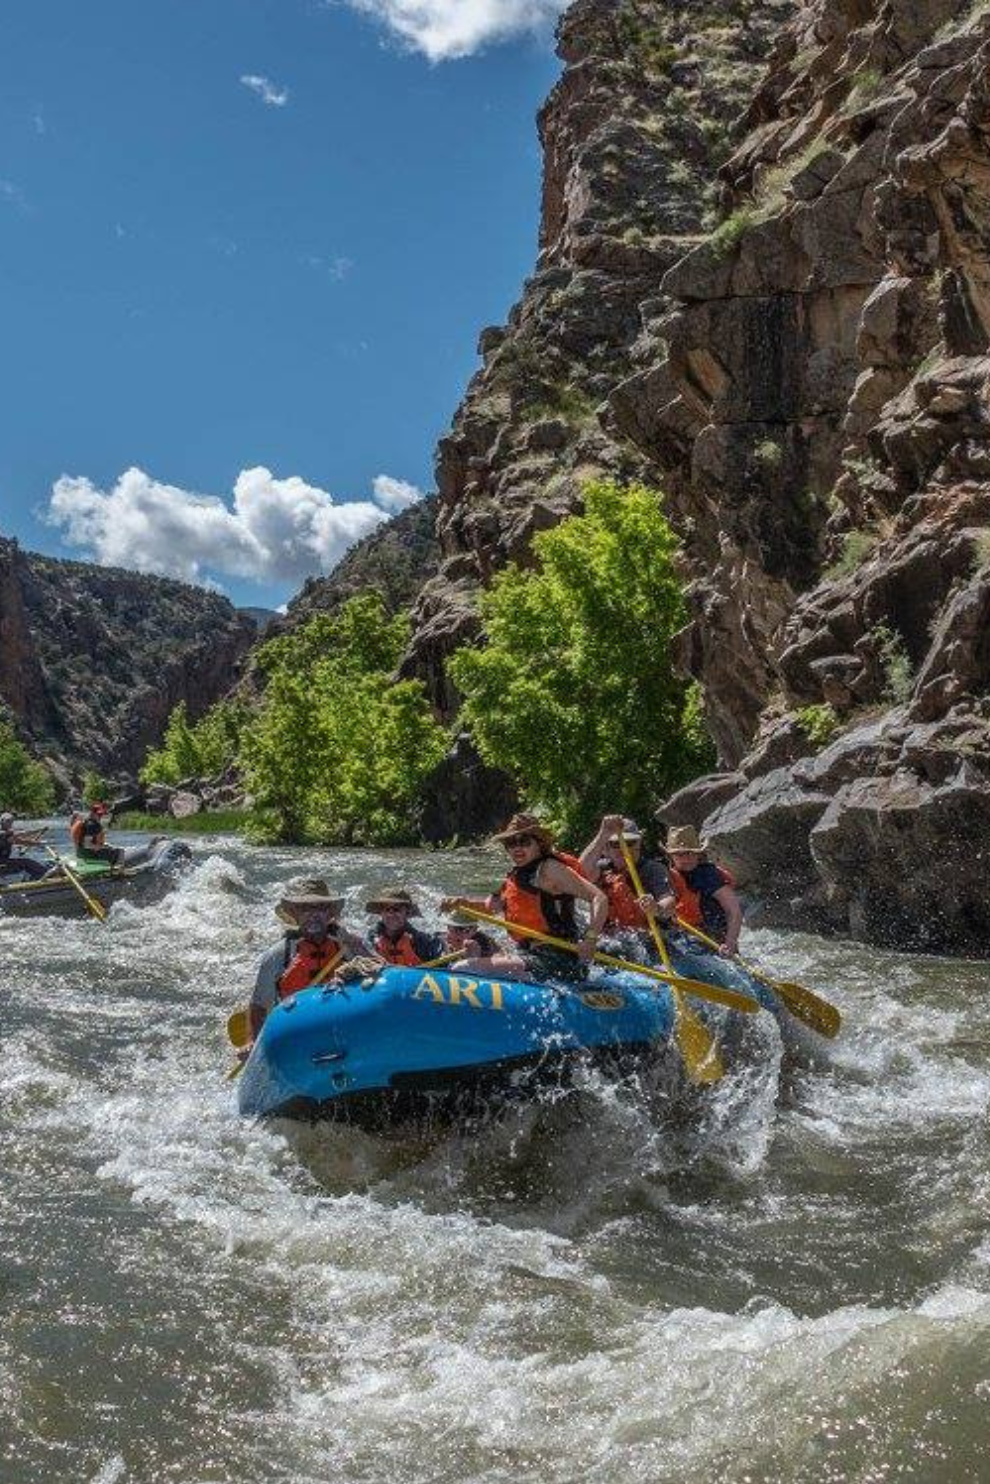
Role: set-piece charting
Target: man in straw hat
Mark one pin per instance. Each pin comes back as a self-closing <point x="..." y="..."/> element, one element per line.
<point x="540" y="892"/>
<point x="463" y="935"/>
<point x="704" y="893"/>
<point x="393" y="939"/>
<point x="312" y="948"/>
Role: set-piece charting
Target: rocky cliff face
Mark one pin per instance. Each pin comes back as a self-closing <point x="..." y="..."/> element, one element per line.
<point x="632" y="137"/>
<point x="93" y="659"/>
<point x="397" y="560"/>
<point x="820" y="414"/>
<point x="792" y="341"/>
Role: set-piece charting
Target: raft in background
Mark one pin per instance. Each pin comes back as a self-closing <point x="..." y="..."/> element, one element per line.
<point x="414" y="1041"/>
<point x="145" y="880"/>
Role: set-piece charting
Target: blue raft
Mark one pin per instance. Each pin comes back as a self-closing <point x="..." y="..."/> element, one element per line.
<point x="413" y="1040"/>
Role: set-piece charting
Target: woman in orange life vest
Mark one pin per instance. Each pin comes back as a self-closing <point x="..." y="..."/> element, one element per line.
<point x="603" y="862"/>
<point x="89" y="836"/>
<point x="392" y="938"/>
<point x="704" y="893"/>
<point x="312" y="943"/>
<point x="539" y="892"/>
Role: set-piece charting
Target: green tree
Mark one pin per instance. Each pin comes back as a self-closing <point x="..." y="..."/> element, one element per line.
<point x="25" y="785"/>
<point x="196" y="749"/>
<point x="574" y="692"/>
<point x="95" y="787"/>
<point x="339" y="750"/>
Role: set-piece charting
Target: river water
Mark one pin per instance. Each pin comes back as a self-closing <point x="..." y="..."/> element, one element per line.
<point x="583" y="1290"/>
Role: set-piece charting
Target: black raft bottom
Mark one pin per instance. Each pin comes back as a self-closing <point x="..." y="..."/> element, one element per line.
<point x="454" y="1094"/>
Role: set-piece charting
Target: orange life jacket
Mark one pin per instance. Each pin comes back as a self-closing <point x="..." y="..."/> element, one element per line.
<point x="698" y="908"/>
<point x="532" y="907"/>
<point x="306" y="965"/>
<point x="400" y="950"/>
<point x="623" y="908"/>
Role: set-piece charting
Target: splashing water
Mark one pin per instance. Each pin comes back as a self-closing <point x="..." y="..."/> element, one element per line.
<point x="604" y="1286"/>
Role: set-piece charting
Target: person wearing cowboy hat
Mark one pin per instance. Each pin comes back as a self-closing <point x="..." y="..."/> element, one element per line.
<point x="312" y="948"/>
<point x="392" y="938"/>
<point x="540" y="892"/>
<point x="703" y="893"/>
<point x="604" y="863"/>
<point x="463" y="935"/>
<point x="19" y="865"/>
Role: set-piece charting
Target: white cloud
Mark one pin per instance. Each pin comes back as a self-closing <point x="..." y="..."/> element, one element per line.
<point x="394" y="495"/>
<point x="266" y="90"/>
<point x="443" y="29"/>
<point x="279" y="530"/>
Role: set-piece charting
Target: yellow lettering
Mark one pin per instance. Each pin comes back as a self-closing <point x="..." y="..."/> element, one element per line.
<point x="465" y="988"/>
<point x="496" y="990"/>
<point x="429" y="986"/>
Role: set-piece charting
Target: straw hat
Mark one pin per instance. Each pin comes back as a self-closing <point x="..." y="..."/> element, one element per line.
<point x="396" y="897"/>
<point x="684" y="837"/>
<point x="460" y="919"/>
<point x="525" y="824"/>
<point x="309" y="891"/>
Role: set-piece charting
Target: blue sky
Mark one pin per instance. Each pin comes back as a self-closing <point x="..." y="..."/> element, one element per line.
<point x="246" y="247"/>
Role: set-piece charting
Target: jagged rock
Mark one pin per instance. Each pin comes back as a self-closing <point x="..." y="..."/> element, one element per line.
<point x="184" y="803"/>
<point x="693" y="804"/>
<point x="464" y="798"/>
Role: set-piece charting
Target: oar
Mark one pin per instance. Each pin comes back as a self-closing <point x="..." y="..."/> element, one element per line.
<point x="239" y="1023"/>
<point x="445" y="958"/>
<point x="801" y="1001"/>
<point x="714" y="992"/>
<point x="696" y="1042"/>
<point x="97" y="908"/>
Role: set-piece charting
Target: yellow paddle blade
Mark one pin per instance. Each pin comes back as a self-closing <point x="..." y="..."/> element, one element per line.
<point x="239" y="1028"/>
<point x="805" y="1005"/>
<point x="236" y="1070"/>
<point x="696" y="1044"/>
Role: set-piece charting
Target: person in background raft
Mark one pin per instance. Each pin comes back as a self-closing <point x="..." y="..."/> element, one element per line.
<point x="703" y="893"/>
<point x="392" y="938"/>
<point x="89" y="836"/>
<point x="603" y="862"/>
<point x="314" y="945"/>
<point x="540" y="892"/>
<point x="19" y="865"/>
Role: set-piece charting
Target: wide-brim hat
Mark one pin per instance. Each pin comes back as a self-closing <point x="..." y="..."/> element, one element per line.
<point x="630" y="831"/>
<point x="309" y="891"/>
<point x="395" y="897"/>
<point x="460" y="919"/>
<point x="525" y="824"/>
<point x="684" y="837"/>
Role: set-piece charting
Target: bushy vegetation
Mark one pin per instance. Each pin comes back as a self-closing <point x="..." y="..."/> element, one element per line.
<point x="895" y="662"/>
<point x="857" y="546"/>
<point x="95" y="786"/>
<point x="574" y="694"/>
<point x="339" y="751"/>
<point x="209" y="822"/>
<point x="199" y="749"/>
<point x="818" y="723"/>
<point x="25" y="785"/>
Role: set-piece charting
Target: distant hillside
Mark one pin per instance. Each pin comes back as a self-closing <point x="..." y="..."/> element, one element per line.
<point x="396" y="559"/>
<point x="93" y="659"/>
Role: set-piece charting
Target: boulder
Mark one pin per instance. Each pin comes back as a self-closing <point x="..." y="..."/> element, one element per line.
<point x="184" y="803"/>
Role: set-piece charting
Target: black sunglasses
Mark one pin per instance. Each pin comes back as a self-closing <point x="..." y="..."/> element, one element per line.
<point x="515" y="840"/>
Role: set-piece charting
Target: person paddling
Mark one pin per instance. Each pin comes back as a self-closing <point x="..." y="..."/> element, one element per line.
<point x="603" y="862"/>
<point x="393" y="938"/>
<point x="19" y="865"/>
<point x="540" y="892"/>
<point x="704" y="893"/>
<point x="89" y="836"/>
<point x="314" y="945"/>
<point x="463" y="935"/>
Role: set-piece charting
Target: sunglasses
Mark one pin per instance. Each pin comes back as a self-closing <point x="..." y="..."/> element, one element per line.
<point x="515" y="840"/>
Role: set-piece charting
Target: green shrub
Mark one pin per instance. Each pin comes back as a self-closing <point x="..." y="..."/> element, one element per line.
<point x="209" y="822"/>
<point x="818" y="723"/>
<point x="25" y="785"/>
<point x="895" y="663"/>
<point x="728" y="234"/>
<point x="981" y="550"/>
<point x="856" y="547"/>
<point x="575" y="693"/>
<point x="769" y="453"/>
<point x="95" y="786"/>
